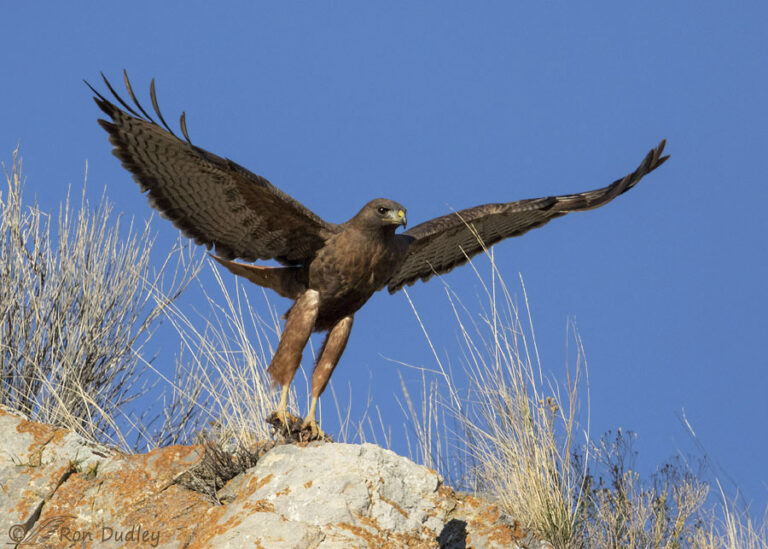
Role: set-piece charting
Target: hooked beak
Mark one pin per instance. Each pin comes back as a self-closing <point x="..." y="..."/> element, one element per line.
<point x="398" y="217"/>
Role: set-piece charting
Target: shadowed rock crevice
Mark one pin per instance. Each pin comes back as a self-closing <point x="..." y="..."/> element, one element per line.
<point x="453" y="535"/>
<point x="30" y="525"/>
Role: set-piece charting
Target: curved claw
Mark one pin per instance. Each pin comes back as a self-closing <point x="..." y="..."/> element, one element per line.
<point x="282" y="417"/>
<point x="314" y="428"/>
<point x="286" y="418"/>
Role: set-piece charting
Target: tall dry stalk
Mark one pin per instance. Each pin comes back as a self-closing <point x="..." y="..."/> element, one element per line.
<point x="522" y="427"/>
<point x="731" y="528"/>
<point x="513" y="426"/>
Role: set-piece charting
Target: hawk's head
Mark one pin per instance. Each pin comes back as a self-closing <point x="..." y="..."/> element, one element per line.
<point x="380" y="213"/>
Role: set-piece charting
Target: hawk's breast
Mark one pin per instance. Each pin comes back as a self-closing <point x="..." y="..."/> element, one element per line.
<point x="350" y="269"/>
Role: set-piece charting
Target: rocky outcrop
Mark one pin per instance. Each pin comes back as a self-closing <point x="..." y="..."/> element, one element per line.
<point x="57" y="490"/>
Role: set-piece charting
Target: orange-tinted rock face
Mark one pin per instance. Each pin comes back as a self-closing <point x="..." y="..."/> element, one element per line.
<point x="59" y="491"/>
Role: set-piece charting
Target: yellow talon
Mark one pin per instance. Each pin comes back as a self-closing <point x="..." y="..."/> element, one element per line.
<point x="314" y="428"/>
<point x="310" y="421"/>
<point x="282" y="414"/>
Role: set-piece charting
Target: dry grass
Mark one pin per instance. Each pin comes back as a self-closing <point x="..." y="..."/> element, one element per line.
<point x="76" y="309"/>
<point x="621" y="510"/>
<point x="224" y="356"/>
<point x="520" y="441"/>
<point x="514" y="428"/>
<point x="731" y="528"/>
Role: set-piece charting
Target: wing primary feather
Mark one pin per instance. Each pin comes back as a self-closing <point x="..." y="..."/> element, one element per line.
<point x="134" y="98"/>
<point x="96" y="93"/>
<point x="119" y="99"/>
<point x="183" y="124"/>
<point x="153" y="97"/>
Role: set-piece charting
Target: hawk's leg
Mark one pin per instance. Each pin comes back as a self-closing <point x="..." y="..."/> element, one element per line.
<point x="330" y="354"/>
<point x="298" y="327"/>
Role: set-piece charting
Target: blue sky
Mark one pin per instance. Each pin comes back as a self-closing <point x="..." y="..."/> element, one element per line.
<point x="447" y="105"/>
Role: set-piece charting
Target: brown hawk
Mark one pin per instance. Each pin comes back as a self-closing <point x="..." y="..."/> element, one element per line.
<point x="329" y="270"/>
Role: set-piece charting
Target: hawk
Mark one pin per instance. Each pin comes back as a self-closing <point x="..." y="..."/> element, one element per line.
<point x="330" y="270"/>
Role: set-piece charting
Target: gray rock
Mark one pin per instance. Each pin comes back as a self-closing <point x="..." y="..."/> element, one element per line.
<point x="319" y="495"/>
<point x="35" y="459"/>
<point x="268" y="530"/>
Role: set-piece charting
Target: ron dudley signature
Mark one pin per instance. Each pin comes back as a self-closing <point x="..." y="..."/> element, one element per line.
<point x="56" y="529"/>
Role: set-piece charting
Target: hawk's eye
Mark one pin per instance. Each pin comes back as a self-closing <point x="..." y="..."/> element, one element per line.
<point x="382" y="210"/>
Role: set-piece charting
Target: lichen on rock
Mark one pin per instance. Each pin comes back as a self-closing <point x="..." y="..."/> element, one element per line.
<point x="58" y="489"/>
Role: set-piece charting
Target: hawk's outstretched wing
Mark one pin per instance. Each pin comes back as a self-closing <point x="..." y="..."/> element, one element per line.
<point x="443" y="243"/>
<point x="211" y="199"/>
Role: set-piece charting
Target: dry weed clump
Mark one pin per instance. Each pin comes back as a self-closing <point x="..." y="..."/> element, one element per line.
<point x="78" y="304"/>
